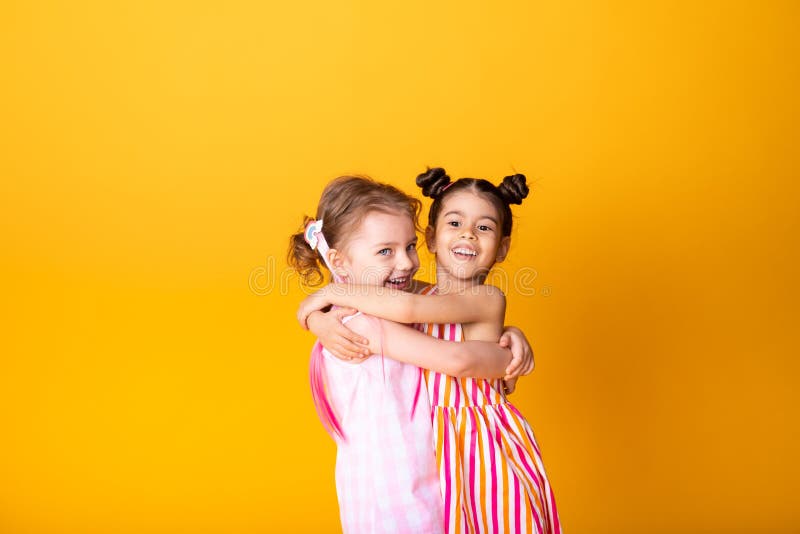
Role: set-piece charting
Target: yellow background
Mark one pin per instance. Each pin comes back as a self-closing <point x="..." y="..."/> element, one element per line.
<point x="156" y="156"/>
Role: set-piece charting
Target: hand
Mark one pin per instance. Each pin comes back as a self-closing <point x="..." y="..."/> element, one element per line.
<point x="336" y="337"/>
<point x="521" y="353"/>
<point x="510" y="385"/>
<point x="316" y="301"/>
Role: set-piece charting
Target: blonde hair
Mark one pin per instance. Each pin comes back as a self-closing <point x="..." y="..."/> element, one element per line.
<point x="344" y="204"/>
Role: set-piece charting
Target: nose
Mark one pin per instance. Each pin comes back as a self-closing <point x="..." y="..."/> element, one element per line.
<point x="466" y="233"/>
<point x="404" y="262"/>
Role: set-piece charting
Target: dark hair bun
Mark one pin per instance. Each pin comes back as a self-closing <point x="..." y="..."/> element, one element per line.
<point x="514" y="189"/>
<point x="433" y="182"/>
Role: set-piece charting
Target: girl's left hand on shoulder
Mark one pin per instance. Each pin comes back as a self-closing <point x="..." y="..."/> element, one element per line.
<point x="336" y="337"/>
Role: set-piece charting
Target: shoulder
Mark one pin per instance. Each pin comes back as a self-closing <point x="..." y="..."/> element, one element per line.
<point x="359" y="321"/>
<point x="369" y="326"/>
<point x="490" y="292"/>
<point x="492" y="298"/>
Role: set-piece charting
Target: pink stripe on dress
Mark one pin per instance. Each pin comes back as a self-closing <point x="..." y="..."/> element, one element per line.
<point x="468" y="410"/>
<point x="447" y="489"/>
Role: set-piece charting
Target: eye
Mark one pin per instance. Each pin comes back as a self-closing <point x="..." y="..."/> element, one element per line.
<point x="484" y="228"/>
<point x="385" y="251"/>
<point x="410" y="247"/>
<point x="454" y="224"/>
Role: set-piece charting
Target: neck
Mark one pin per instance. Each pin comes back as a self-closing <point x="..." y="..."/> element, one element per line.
<point x="448" y="284"/>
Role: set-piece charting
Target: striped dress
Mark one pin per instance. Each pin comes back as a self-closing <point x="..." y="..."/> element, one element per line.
<point x="490" y="469"/>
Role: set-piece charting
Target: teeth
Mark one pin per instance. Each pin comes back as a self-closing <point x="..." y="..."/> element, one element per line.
<point x="466" y="251"/>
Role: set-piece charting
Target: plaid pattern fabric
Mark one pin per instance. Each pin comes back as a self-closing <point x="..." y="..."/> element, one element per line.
<point x="386" y="475"/>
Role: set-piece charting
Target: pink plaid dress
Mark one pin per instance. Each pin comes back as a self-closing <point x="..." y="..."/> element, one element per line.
<point x="386" y="475"/>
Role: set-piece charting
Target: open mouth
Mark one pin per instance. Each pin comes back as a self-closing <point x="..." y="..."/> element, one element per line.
<point x="398" y="282"/>
<point x="464" y="253"/>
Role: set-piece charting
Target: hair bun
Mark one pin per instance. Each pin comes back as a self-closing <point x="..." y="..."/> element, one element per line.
<point x="514" y="189"/>
<point x="433" y="182"/>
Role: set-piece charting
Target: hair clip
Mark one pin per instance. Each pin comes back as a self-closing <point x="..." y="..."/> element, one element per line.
<point x="316" y="240"/>
<point x="313" y="233"/>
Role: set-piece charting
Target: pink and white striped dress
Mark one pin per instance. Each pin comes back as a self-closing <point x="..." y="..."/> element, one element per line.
<point x="490" y="469"/>
<point x="386" y="475"/>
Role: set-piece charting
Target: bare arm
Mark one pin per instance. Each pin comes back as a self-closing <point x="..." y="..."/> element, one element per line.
<point x="480" y="359"/>
<point x="479" y="304"/>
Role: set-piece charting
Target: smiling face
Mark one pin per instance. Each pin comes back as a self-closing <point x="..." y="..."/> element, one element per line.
<point x="382" y="251"/>
<point x="467" y="239"/>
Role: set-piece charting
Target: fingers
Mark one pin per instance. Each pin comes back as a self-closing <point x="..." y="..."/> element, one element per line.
<point x="353" y="344"/>
<point x="351" y="340"/>
<point x="512" y="369"/>
<point x="347" y="351"/>
<point x="512" y="374"/>
<point x="514" y="366"/>
<point x="356" y="343"/>
<point x="505" y="341"/>
<point x="344" y="353"/>
<point x="530" y="363"/>
<point x="521" y="368"/>
<point x="517" y="352"/>
<point x="528" y="369"/>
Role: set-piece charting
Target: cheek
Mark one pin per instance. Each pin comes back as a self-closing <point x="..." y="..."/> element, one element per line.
<point x="491" y="244"/>
<point x="414" y="260"/>
<point x="443" y="234"/>
<point x="359" y="264"/>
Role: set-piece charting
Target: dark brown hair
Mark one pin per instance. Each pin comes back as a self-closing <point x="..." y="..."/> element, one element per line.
<point x="344" y="203"/>
<point x="435" y="183"/>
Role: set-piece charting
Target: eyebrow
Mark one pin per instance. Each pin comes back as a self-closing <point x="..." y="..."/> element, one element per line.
<point x="393" y="243"/>
<point x="460" y="214"/>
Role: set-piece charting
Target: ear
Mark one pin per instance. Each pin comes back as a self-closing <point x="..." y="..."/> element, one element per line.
<point x="430" y="239"/>
<point x="502" y="250"/>
<point x="338" y="262"/>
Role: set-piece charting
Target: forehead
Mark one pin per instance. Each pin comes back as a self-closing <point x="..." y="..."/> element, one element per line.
<point x="380" y="227"/>
<point x="470" y="204"/>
